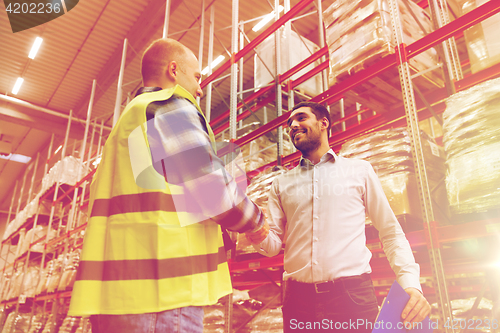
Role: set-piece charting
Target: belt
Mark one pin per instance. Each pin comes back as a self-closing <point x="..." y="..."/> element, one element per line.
<point x="328" y="286"/>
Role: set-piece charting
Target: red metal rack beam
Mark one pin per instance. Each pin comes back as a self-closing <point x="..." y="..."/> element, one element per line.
<point x="281" y="78"/>
<point x="257" y="40"/>
<point x="357" y="79"/>
<point x="451" y="29"/>
<point x="310" y="74"/>
<point x="247" y="101"/>
<point x="303" y="64"/>
<point x="423" y="3"/>
<point x="396" y="116"/>
<point x="275" y="123"/>
<point x="73" y="187"/>
<point x="245" y="114"/>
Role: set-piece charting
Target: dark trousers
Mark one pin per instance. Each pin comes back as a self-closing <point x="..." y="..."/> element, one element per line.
<point x="348" y="304"/>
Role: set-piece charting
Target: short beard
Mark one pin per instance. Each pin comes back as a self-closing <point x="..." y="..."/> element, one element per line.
<point x="309" y="144"/>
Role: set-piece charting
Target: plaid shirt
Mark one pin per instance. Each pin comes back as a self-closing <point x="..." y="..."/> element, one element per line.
<point x="182" y="151"/>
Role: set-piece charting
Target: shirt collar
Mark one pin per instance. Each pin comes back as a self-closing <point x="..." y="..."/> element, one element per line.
<point x="329" y="156"/>
<point x="143" y="90"/>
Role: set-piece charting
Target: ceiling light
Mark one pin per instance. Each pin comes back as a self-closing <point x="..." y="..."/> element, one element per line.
<point x="266" y="19"/>
<point x="217" y="61"/>
<point x="35" y="47"/>
<point x="16" y="158"/>
<point x="57" y="150"/>
<point x="17" y="86"/>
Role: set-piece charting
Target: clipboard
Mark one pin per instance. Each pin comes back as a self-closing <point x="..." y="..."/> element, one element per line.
<point x="390" y="314"/>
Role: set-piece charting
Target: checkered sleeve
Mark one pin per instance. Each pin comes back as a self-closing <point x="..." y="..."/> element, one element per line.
<point x="182" y="151"/>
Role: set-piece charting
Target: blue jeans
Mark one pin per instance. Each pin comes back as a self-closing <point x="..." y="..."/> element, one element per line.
<point x="182" y="320"/>
<point x="347" y="305"/>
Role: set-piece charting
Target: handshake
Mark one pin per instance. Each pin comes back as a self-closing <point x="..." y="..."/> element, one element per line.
<point x="258" y="236"/>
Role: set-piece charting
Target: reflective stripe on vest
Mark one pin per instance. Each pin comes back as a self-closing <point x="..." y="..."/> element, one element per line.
<point x="136" y="257"/>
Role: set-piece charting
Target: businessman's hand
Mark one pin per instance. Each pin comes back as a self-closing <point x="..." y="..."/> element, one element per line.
<point x="416" y="309"/>
<point x="258" y="236"/>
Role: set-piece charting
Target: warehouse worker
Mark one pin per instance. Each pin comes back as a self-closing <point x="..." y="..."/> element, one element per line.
<point x="153" y="250"/>
<point x="318" y="210"/>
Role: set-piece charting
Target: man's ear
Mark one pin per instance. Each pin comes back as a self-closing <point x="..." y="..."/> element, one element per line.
<point x="325" y="123"/>
<point x="172" y="70"/>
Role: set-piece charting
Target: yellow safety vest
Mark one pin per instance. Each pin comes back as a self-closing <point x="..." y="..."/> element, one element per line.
<point x="136" y="257"/>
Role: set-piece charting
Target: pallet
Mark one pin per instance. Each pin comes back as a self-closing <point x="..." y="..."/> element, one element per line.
<point x="384" y="91"/>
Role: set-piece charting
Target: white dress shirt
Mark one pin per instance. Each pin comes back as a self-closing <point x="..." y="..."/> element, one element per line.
<point x="318" y="211"/>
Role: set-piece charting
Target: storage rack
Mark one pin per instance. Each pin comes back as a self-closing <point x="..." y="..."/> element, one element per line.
<point x="71" y="201"/>
<point x="433" y="236"/>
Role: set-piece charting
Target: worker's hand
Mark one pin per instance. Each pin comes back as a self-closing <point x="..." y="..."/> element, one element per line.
<point x="416" y="309"/>
<point x="258" y="236"/>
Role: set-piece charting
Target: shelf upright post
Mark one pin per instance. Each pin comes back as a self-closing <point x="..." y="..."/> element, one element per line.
<point x="30" y="193"/>
<point x="208" y="98"/>
<point x="420" y="170"/>
<point x="233" y="103"/>
<point x="342" y="113"/>
<point x="167" y="17"/>
<point x="99" y="148"/>
<point x="279" y="93"/>
<point x="84" y="187"/>
<point x="19" y="201"/>
<point x="119" y="88"/>
<point x="12" y="202"/>
<point x="49" y="153"/>
<point x="451" y="67"/>
<point x="82" y="152"/>
<point x="240" y="67"/>
<point x="288" y="46"/>
<point x="321" y="30"/>
<point x="202" y="37"/>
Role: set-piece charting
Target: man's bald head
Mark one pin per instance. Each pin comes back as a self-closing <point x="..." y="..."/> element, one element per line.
<point x="157" y="57"/>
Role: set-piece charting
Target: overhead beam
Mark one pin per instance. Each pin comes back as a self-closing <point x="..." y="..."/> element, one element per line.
<point x="31" y="118"/>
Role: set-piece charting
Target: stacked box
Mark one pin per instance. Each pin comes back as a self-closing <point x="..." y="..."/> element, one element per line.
<point x="389" y="152"/>
<point x="360" y="32"/>
<point x="471" y="138"/>
<point x="301" y="48"/>
<point x="482" y="41"/>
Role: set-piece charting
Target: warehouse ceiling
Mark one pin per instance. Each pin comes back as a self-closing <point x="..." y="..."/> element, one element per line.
<point x="85" y="44"/>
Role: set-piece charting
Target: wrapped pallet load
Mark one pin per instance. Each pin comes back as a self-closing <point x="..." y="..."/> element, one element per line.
<point x="389" y="152"/>
<point x="471" y="138"/>
<point x="359" y="32"/>
<point x="300" y="49"/>
<point x="481" y="39"/>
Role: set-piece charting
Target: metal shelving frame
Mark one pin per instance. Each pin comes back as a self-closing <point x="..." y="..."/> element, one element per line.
<point x="71" y="212"/>
<point x="398" y="116"/>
